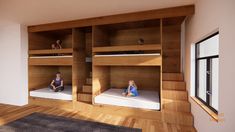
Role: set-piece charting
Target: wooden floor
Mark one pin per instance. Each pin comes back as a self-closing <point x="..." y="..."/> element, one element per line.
<point x="10" y="113"/>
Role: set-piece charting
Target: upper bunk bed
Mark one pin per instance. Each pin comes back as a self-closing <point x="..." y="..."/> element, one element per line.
<point x="43" y="49"/>
<point x="128" y="44"/>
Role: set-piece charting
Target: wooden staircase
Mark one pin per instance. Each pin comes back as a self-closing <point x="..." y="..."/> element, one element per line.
<point x="176" y="106"/>
<point x="175" y="96"/>
<point x="86" y="94"/>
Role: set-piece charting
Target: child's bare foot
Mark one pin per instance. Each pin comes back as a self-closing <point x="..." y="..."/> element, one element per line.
<point x="129" y="94"/>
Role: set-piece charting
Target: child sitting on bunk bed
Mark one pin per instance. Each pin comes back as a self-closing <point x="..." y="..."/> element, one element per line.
<point x="131" y="90"/>
<point x="57" y="84"/>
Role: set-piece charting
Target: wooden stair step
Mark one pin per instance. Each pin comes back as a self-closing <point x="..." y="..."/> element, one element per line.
<point x="173" y="85"/>
<point x="85" y="97"/>
<point x="179" y="118"/>
<point x="176" y="105"/>
<point x="87" y="88"/>
<point x="89" y="81"/>
<point x="172" y="77"/>
<point x="175" y="95"/>
<point x="181" y="128"/>
<point x="90" y="74"/>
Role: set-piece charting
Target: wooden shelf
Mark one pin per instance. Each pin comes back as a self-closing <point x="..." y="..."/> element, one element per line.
<point x="127" y="48"/>
<point x="128" y="60"/>
<point x="51" y="61"/>
<point x="51" y="51"/>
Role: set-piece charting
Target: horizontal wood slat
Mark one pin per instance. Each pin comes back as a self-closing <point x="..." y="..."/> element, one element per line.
<point x="127" y="61"/>
<point x="85" y="97"/>
<point x="172" y="77"/>
<point x="51" y="61"/>
<point x="175" y="95"/>
<point x="50" y="51"/>
<point x="51" y="102"/>
<point x="87" y="88"/>
<point x="176" y="105"/>
<point x="173" y="85"/>
<point x="127" y="48"/>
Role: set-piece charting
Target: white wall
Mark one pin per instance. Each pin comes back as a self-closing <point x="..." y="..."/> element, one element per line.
<point x="214" y="15"/>
<point x="13" y="67"/>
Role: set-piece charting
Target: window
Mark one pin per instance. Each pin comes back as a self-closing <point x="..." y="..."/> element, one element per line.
<point x="207" y="70"/>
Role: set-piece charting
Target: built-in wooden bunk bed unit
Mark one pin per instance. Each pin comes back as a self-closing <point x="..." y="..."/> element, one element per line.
<point x="123" y="52"/>
<point x="73" y="61"/>
<point x="100" y="55"/>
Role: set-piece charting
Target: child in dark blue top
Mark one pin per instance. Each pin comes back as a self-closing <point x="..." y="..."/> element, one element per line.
<point x="57" y="84"/>
<point x="131" y="90"/>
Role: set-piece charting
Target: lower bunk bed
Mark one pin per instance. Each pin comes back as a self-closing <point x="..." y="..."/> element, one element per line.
<point x="145" y="100"/>
<point x="66" y="94"/>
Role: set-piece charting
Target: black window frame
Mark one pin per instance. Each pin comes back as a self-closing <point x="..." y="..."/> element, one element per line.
<point x="208" y="73"/>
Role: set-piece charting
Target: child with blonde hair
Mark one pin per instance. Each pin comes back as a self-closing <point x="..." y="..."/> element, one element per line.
<point x="131" y="90"/>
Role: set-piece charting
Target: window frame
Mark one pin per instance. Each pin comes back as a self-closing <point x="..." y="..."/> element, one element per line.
<point x="208" y="76"/>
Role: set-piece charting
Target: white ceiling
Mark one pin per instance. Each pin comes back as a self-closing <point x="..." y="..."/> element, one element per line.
<point x="31" y="12"/>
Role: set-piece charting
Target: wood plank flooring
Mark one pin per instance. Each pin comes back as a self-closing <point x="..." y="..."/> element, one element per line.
<point x="10" y="113"/>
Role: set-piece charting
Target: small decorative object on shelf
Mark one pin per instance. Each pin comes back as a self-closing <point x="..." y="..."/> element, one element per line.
<point x="140" y="41"/>
<point x="57" y="45"/>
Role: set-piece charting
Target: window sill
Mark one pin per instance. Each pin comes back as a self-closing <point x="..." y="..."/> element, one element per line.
<point x="205" y="108"/>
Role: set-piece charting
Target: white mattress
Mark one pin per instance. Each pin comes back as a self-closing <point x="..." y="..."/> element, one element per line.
<point x="145" y="100"/>
<point x="66" y="94"/>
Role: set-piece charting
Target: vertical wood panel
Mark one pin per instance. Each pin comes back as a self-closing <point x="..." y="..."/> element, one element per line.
<point x="40" y="77"/>
<point x="171" y="48"/>
<point x="146" y="78"/>
<point x="79" y="62"/>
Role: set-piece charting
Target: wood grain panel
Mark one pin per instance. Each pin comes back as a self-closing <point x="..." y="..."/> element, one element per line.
<point x="174" y="85"/>
<point x="127" y="60"/>
<point x="173" y="77"/>
<point x="127" y="48"/>
<point x="176" y="105"/>
<point x="88" y="44"/>
<point x="42" y="52"/>
<point x="66" y="40"/>
<point x="148" y="121"/>
<point x="66" y="73"/>
<point x="137" y="16"/>
<point x="87" y="88"/>
<point x="175" y="95"/>
<point x="51" y="103"/>
<point x="44" y="40"/>
<point x="131" y="36"/>
<point x="100" y="79"/>
<point x="85" y="97"/>
<point x="40" y="77"/>
<point x="39" y="41"/>
<point x="146" y="78"/>
<point x="62" y="61"/>
<point x="100" y="36"/>
<point x="171" y="48"/>
<point x="79" y="64"/>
